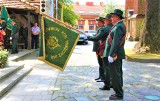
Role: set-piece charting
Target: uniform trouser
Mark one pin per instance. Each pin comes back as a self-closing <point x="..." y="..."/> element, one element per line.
<point x="101" y="70"/>
<point x="107" y="82"/>
<point x="5" y="42"/>
<point x="25" y="42"/>
<point x="116" y="75"/>
<point x="35" y="41"/>
<point x="14" y="45"/>
<point x="121" y="72"/>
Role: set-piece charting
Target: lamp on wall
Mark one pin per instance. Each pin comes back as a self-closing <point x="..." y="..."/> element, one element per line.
<point x="43" y="5"/>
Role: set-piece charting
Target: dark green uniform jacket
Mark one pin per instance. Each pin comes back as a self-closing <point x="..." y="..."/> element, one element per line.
<point x="14" y="33"/>
<point x="2" y="25"/>
<point x="14" y="36"/>
<point x="23" y="32"/>
<point x="115" y="41"/>
<point x="100" y="38"/>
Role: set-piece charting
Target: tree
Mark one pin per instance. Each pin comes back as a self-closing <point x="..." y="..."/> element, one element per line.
<point x="66" y="12"/>
<point x="110" y="6"/>
<point x="69" y="16"/>
<point x="150" y="36"/>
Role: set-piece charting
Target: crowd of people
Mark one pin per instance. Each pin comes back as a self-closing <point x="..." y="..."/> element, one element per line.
<point x="9" y="38"/>
<point x="109" y="47"/>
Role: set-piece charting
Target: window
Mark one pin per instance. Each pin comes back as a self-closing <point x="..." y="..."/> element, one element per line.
<point x="80" y="12"/>
<point x="91" y="27"/>
<point x="130" y="12"/>
<point x="91" y="12"/>
<point x="98" y="12"/>
<point x="81" y="26"/>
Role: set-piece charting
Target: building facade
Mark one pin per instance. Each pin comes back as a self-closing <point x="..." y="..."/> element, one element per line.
<point x="134" y="12"/>
<point x="88" y="12"/>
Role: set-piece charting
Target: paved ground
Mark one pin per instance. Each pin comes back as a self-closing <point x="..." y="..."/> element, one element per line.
<point x="76" y="83"/>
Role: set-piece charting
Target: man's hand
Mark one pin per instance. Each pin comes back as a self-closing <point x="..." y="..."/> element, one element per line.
<point x="110" y="59"/>
<point x="88" y="37"/>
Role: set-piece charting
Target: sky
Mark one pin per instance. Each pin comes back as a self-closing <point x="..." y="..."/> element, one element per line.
<point x="120" y="2"/>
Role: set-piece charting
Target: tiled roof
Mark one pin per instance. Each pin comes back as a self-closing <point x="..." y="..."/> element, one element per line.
<point x="17" y="4"/>
<point x="88" y="10"/>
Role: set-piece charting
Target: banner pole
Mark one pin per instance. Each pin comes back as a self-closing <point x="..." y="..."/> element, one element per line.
<point x="43" y="38"/>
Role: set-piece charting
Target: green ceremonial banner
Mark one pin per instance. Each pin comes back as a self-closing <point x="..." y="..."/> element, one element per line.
<point x="5" y="16"/>
<point x="58" y="43"/>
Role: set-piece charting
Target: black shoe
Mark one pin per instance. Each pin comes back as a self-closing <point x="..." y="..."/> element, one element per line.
<point x="113" y="94"/>
<point x="98" y="78"/>
<point x="115" y="97"/>
<point x="104" y="88"/>
<point x="111" y="86"/>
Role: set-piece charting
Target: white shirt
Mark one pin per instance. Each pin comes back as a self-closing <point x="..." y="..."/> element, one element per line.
<point x="35" y="30"/>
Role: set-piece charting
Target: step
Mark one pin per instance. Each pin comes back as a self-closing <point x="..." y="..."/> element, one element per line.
<point x="9" y="70"/>
<point x="17" y="57"/>
<point x="8" y="83"/>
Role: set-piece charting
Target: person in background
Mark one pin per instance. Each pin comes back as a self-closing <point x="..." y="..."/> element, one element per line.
<point x="23" y="35"/>
<point x="114" y="51"/>
<point x="14" y="37"/>
<point x="35" y="35"/>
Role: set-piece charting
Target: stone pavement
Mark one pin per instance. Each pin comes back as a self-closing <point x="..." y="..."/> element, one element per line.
<point x="76" y="83"/>
<point x="37" y="85"/>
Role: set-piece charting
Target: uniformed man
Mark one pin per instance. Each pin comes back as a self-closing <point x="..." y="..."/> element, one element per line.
<point x="14" y="37"/>
<point x="2" y="24"/>
<point x="23" y="35"/>
<point x="96" y="43"/>
<point x="100" y="37"/>
<point x="107" y="82"/>
<point x="114" y="50"/>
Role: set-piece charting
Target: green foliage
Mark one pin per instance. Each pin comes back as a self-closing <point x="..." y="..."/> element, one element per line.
<point x="69" y="16"/>
<point x="3" y="57"/>
<point x="141" y="1"/>
<point x="66" y="11"/>
<point x="110" y="6"/>
<point x="66" y="2"/>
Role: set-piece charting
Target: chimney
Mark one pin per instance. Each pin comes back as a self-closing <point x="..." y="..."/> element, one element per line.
<point x="77" y="3"/>
<point x="89" y="3"/>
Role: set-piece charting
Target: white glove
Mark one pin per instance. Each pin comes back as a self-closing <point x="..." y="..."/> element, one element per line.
<point x="10" y="38"/>
<point x="110" y="59"/>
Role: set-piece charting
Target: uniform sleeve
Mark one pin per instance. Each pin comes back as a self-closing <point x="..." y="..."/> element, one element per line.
<point x="13" y="30"/>
<point x="117" y="39"/>
<point x="4" y="25"/>
<point x="102" y="33"/>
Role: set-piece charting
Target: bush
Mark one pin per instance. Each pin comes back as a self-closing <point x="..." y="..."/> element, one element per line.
<point x="3" y="57"/>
